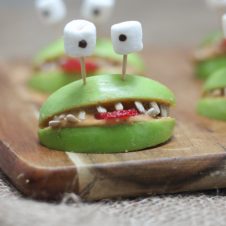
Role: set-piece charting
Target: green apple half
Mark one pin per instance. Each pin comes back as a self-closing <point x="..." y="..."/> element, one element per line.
<point x="213" y="102"/>
<point x="48" y="81"/>
<point x="208" y="66"/>
<point x="106" y="136"/>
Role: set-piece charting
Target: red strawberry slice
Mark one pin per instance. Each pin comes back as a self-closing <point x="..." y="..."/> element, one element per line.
<point x="122" y="114"/>
<point x="73" y="66"/>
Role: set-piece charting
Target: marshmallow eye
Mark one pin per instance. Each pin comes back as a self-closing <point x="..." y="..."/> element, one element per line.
<point x="51" y="11"/>
<point x="79" y="38"/>
<point x="127" y="37"/>
<point x="97" y="10"/>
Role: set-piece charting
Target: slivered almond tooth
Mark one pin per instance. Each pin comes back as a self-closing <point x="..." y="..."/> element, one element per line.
<point x="61" y="117"/>
<point x="140" y="106"/>
<point x="155" y="106"/>
<point x="72" y="118"/>
<point x="101" y="109"/>
<point x="164" y="111"/>
<point x="152" y="112"/>
<point x="119" y="106"/>
<point x="54" y="123"/>
<point x="82" y="115"/>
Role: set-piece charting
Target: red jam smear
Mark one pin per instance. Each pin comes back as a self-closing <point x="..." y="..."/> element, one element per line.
<point x="122" y="114"/>
<point x="73" y="66"/>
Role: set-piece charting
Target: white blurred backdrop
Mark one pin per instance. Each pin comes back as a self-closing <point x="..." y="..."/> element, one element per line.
<point x="166" y="23"/>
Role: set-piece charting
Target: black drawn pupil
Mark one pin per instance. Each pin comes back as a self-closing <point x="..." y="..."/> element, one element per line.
<point x="96" y="12"/>
<point x="82" y="44"/>
<point x="45" y="13"/>
<point x="122" y="38"/>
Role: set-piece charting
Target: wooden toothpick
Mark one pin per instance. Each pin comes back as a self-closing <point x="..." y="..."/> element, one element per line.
<point x="83" y="69"/>
<point x="124" y="66"/>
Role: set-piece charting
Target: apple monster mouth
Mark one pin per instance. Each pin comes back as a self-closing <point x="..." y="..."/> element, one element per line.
<point x="104" y="100"/>
<point x="109" y="113"/>
<point x="213" y="101"/>
<point x="215" y="86"/>
<point x="217" y="92"/>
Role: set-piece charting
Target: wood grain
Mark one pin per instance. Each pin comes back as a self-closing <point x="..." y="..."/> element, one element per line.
<point x="195" y="158"/>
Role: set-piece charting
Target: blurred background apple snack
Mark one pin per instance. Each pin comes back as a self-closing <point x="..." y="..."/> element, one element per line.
<point x="171" y="24"/>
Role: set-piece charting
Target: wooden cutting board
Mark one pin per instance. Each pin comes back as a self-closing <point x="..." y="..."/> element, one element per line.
<point x="195" y="159"/>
